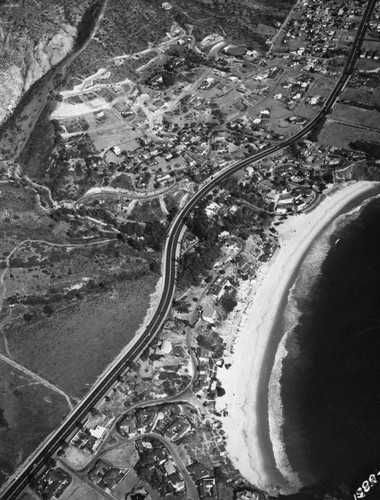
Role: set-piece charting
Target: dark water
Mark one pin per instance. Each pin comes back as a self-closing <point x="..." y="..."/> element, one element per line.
<point x="331" y="377"/>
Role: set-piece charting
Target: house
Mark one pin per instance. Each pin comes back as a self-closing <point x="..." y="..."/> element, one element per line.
<point x="84" y="441"/>
<point x="164" y="347"/>
<point x="177" y="429"/>
<point x="98" y="432"/>
<point x="176" y="481"/>
<point x="145" y="420"/>
<point x="248" y="495"/>
<point x="105" y="475"/>
<point x="169" y="467"/>
<point x="198" y="471"/>
<point x="160" y="455"/>
<point x="212" y="209"/>
<point x="52" y="483"/>
<point x="314" y="100"/>
<point x="208" y="313"/>
<point x="207" y="488"/>
<point x="203" y="354"/>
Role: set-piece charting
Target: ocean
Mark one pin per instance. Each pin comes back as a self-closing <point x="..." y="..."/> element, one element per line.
<point x="329" y="361"/>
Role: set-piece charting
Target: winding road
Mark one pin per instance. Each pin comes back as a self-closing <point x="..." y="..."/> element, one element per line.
<point x="13" y="489"/>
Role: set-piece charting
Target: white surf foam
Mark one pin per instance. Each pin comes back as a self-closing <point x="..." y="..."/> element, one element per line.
<point x="307" y="278"/>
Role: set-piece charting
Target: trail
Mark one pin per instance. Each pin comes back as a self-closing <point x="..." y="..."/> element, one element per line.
<point x="6" y="345"/>
<point x="116" y="192"/>
<point x="36" y="377"/>
<point x="8" y="358"/>
<point x="35" y="185"/>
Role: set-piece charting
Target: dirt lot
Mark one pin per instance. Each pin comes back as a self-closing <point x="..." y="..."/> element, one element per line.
<point x="124" y="456"/>
<point x="127" y="485"/>
<point x="115" y="135"/>
<point x="29" y="411"/>
<point x="85" y="493"/>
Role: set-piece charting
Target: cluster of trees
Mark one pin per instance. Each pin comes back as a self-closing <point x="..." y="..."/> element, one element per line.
<point x="228" y="302"/>
<point x="198" y="262"/>
<point x="235" y="17"/>
<point x="313" y="136"/>
<point x="155" y="476"/>
<point x="180" y="58"/>
<point x="370" y="148"/>
<point x="46" y="158"/>
<point x="194" y="264"/>
<point x="154" y="235"/>
<point x="211" y="341"/>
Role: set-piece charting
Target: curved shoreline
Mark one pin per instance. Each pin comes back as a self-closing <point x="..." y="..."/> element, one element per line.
<point x="247" y="381"/>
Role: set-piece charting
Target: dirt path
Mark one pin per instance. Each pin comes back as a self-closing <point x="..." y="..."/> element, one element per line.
<point x="8" y="358"/>
<point x="36" y="377"/>
<point x="5" y="339"/>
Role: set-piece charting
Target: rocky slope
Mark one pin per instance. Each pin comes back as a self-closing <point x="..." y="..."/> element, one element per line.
<point x="34" y="36"/>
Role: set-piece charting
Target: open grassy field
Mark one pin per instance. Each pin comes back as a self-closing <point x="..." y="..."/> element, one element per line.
<point x="356" y="116"/>
<point x="340" y="135"/>
<point x="29" y="412"/>
<point x="357" y="95"/>
<point x="74" y="345"/>
<point x="367" y="64"/>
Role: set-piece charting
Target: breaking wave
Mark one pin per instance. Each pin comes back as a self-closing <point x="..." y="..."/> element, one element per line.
<point x="276" y="420"/>
<point x="299" y="299"/>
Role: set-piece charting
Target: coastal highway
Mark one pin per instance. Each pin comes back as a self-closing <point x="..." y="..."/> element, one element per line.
<point x="16" y="486"/>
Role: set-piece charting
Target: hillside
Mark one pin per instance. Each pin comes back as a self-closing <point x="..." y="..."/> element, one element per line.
<point x="34" y="37"/>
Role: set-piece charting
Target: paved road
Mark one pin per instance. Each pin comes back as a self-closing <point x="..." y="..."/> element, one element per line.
<point x="191" y="489"/>
<point x="107" y="380"/>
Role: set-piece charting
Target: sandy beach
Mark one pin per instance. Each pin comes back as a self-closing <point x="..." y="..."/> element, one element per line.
<point x="255" y="346"/>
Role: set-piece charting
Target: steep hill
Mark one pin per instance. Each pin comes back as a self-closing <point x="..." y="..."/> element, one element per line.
<point x="34" y="37"/>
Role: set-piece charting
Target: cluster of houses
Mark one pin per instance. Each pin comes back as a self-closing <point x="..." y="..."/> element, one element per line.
<point x="318" y="24"/>
<point x="374" y="23"/>
<point x="167" y="420"/>
<point x="296" y="90"/>
<point x="206" y="382"/>
<point x="204" y="480"/>
<point x="189" y="144"/>
<point x="154" y="456"/>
